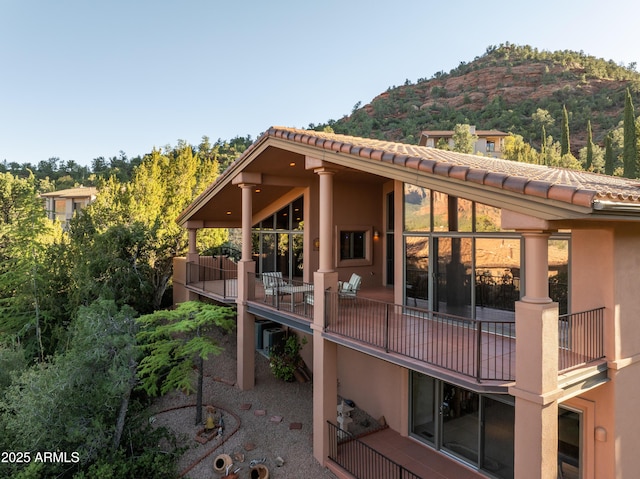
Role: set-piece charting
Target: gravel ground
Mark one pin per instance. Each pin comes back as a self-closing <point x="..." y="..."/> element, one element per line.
<point x="274" y="407"/>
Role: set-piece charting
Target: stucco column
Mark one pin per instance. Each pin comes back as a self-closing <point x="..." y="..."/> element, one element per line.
<point x="536" y="388"/>
<point x="247" y="219"/>
<point x="192" y="254"/>
<point x="325" y="353"/>
<point x="325" y="366"/>
<point x="246" y="281"/>
<point x="326" y="219"/>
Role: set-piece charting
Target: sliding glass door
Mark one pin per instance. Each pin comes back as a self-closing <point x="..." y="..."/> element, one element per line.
<point x="478" y="429"/>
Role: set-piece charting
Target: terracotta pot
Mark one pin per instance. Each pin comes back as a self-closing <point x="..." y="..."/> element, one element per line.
<point x="259" y="471"/>
<point x="221" y="463"/>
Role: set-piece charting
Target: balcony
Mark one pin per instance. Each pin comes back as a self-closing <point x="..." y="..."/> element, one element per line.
<point x="215" y="277"/>
<point x="481" y="349"/>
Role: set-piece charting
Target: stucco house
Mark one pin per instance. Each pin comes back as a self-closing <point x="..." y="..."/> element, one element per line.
<point x="495" y="324"/>
<point x="488" y="143"/>
<point x="61" y="205"/>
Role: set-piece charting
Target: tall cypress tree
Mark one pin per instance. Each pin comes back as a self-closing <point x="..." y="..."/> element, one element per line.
<point x="630" y="149"/>
<point x="608" y="155"/>
<point x="543" y="147"/>
<point x="589" y="146"/>
<point x="564" y="139"/>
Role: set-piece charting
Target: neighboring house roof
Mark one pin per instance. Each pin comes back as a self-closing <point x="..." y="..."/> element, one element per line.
<point x="543" y="189"/>
<point x="79" y="192"/>
<point x="447" y="133"/>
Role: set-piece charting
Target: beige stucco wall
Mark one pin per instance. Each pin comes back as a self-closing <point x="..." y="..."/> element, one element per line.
<point x="605" y="270"/>
<point x="376" y="386"/>
<point x="359" y="204"/>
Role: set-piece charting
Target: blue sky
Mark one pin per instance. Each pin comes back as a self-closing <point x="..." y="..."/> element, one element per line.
<point x="81" y="79"/>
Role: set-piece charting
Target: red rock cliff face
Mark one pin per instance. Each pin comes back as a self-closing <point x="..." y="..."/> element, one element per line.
<point x="484" y="82"/>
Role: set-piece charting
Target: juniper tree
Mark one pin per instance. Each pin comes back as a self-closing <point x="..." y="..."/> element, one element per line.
<point x="630" y="149"/>
<point x="608" y="155"/>
<point x="589" y="161"/>
<point x="174" y="342"/>
<point x="564" y="138"/>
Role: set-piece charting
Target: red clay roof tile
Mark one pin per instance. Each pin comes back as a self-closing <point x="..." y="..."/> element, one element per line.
<point x="574" y="187"/>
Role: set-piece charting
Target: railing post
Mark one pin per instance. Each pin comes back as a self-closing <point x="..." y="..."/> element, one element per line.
<point x="386" y="328"/>
<point x="478" y="350"/>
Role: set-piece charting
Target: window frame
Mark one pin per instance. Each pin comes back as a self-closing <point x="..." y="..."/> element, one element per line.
<point x="368" y="246"/>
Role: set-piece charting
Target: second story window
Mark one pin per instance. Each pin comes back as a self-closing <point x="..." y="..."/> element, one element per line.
<point x="353" y="245"/>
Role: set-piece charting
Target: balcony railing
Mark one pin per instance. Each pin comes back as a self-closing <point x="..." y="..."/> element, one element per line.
<point x="481" y="349"/>
<point x="361" y="460"/>
<point x="581" y="338"/>
<point x="214" y="275"/>
<point x="282" y="293"/>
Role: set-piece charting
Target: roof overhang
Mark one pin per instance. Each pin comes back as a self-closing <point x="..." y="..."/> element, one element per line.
<point x="277" y="165"/>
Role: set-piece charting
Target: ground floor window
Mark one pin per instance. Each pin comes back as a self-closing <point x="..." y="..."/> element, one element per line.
<point x="479" y="428"/>
<point x="474" y="427"/>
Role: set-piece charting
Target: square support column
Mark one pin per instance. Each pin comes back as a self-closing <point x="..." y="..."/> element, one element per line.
<point x="246" y="349"/>
<point x="325" y="369"/>
<point x="536" y="391"/>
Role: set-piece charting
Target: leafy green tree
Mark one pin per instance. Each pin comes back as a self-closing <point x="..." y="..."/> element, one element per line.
<point x="463" y="140"/>
<point x="128" y="236"/>
<point x="630" y="150"/>
<point x="516" y="149"/>
<point x="597" y="157"/>
<point x="71" y="402"/>
<point x="565" y="145"/>
<point x="174" y="341"/>
<point x="25" y="235"/>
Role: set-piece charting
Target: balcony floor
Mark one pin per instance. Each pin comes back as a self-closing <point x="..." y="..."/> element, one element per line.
<point x="417" y="458"/>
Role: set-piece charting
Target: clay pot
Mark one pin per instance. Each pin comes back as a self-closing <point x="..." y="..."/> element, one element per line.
<point x="221" y="463"/>
<point x="259" y="471"/>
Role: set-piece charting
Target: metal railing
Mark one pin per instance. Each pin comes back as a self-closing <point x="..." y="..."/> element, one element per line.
<point x="360" y="459"/>
<point x="208" y="275"/>
<point x="282" y="293"/>
<point x="482" y="349"/>
<point x="581" y="338"/>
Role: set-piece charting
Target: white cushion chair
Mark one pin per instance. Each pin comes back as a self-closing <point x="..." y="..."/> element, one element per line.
<point x="350" y="288"/>
<point x="272" y="283"/>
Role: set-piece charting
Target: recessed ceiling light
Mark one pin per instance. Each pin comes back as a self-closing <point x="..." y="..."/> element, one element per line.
<point x="228" y="212"/>
<point x="293" y="163"/>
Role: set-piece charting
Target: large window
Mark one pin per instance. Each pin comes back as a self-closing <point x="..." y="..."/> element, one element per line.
<point x="277" y="241"/>
<point x="477" y="428"/>
<point x="459" y="260"/>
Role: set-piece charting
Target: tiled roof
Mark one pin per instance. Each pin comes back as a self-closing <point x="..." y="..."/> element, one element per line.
<point x="570" y="186"/>
<point x="79" y="192"/>
<point x="439" y="133"/>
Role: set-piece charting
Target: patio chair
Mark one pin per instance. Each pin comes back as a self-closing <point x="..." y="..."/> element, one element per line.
<point x="350" y="288"/>
<point x="272" y="283"/>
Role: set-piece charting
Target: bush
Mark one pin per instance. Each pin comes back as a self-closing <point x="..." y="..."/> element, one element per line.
<point x="285" y="359"/>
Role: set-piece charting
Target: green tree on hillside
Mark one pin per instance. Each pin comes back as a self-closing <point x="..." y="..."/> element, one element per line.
<point x="565" y="144"/>
<point x="630" y="150"/>
<point x="516" y="149"/>
<point x="589" y="156"/>
<point x="608" y="155"/>
<point x="463" y="140"/>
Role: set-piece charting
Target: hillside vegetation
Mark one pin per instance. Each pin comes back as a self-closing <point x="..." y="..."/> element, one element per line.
<point x="503" y="89"/>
